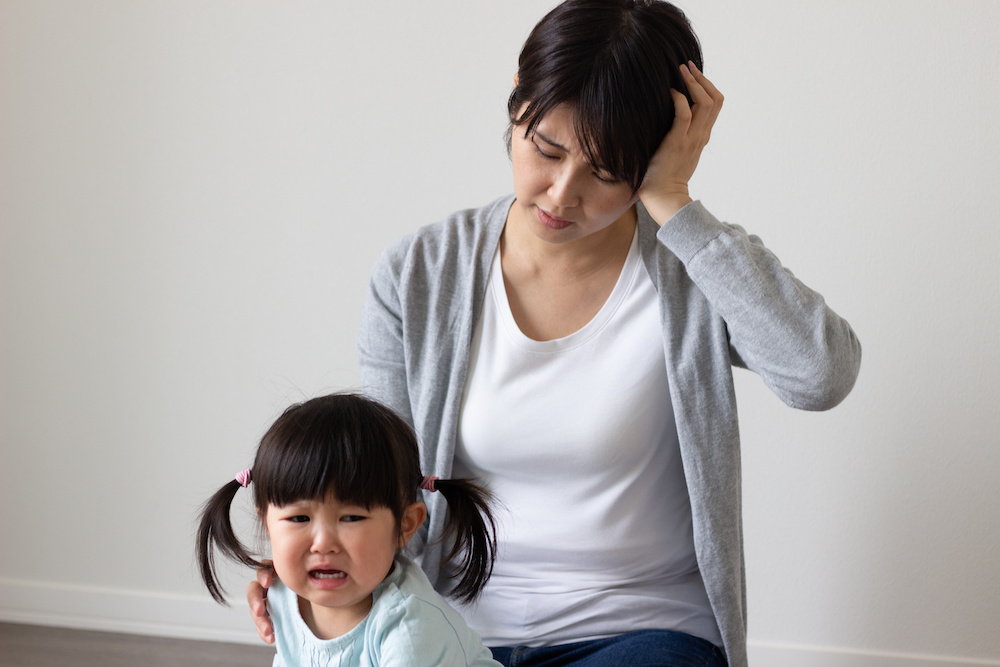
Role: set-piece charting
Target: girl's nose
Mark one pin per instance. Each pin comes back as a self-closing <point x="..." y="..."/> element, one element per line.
<point x="325" y="539"/>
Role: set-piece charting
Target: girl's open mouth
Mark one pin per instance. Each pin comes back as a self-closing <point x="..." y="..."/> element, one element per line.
<point x="327" y="574"/>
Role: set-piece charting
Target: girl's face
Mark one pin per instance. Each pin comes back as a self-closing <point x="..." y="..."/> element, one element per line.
<point x="561" y="196"/>
<point x="333" y="555"/>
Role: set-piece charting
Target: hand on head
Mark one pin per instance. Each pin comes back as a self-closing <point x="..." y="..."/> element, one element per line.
<point x="664" y="190"/>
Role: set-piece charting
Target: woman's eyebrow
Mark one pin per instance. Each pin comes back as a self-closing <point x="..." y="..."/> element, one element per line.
<point x="550" y="142"/>
<point x="554" y="144"/>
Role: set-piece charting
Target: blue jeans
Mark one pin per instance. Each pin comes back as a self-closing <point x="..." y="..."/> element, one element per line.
<point x="643" y="648"/>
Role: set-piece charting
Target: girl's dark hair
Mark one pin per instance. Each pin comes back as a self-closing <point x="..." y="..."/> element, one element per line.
<point x="613" y="62"/>
<point x="366" y="455"/>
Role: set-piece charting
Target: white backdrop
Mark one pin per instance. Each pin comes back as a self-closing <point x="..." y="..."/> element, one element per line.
<point x="193" y="193"/>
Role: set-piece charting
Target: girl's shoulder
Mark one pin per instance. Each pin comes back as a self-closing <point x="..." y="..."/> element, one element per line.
<point x="408" y="586"/>
<point x="411" y="622"/>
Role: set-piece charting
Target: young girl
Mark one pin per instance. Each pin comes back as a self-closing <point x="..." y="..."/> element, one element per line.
<point x="335" y="484"/>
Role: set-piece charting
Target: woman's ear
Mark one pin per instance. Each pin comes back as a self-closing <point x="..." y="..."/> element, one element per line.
<point x="413" y="518"/>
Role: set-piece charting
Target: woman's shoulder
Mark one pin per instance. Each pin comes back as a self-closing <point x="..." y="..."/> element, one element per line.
<point x="453" y="239"/>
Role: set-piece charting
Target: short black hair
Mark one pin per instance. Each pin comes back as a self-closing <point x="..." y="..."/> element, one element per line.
<point x="613" y="62"/>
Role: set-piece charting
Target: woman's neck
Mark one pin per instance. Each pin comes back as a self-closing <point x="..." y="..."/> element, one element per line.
<point x="555" y="289"/>
<point x="570" y="260"/>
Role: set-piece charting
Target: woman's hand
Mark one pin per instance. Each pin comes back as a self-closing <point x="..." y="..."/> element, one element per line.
<point x="664" y="191"/>
<point x="257" y="597"/>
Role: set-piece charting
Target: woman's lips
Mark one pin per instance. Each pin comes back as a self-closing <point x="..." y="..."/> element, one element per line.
<point x="551" y="221"/>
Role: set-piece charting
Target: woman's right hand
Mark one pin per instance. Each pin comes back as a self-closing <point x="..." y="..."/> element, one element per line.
<point x="257" y="598"/>
<point x="664" y="190"/>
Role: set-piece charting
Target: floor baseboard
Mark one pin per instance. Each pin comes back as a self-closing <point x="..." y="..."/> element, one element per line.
<point x="787" y="655"/>
<point x="199" y="618"/>
<point x="131" y="612"/>
<point x="38" y="646"/>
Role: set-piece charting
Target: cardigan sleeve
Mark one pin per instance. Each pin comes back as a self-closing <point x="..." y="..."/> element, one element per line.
<point x="381" y="352"/>
<point x="778" y="327"/>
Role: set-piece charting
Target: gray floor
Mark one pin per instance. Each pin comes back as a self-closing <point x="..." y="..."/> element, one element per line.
<point x="37" y="646"/>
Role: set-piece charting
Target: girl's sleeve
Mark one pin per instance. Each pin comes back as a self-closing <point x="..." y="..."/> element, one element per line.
<point x="778" y="327"/>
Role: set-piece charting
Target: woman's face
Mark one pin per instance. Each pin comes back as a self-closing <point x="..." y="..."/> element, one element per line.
<point x="561" y="196"/>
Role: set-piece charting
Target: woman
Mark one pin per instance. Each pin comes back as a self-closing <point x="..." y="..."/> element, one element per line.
<point x="573" y="346"/>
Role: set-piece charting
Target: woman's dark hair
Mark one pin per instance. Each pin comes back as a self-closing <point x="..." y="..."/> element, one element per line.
<point x="366" y="455"/>
<point x="613" y="62"/>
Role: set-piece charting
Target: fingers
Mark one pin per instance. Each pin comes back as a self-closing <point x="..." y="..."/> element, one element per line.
<point x="706" y="98"/>
<point x="257" y="599"/>
<point x="258" y="610"/>
<point x="701" y="89"/>
<point x="265" y="575"/>
<point x="664" y="189"/>
<point x="682" y="115"/>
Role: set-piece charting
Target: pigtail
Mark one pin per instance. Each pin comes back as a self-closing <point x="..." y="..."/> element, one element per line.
<point x="215" y="533"/>
<point x="471" y="526"/>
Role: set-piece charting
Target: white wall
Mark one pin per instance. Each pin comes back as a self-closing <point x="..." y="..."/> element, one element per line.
<point x="193" y="193"/>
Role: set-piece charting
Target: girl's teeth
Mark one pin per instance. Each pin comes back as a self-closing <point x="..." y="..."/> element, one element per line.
<point x="329" y="575"/>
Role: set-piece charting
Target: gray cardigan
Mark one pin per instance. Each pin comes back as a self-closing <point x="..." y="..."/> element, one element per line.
<point x="725" y="300"/>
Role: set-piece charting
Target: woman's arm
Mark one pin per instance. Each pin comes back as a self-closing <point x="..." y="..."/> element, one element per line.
<point x="778" y="327"/>
<point x="381" y="349"/>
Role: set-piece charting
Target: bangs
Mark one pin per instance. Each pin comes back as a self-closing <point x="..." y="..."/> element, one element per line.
<point x="612" y="126"/>
<point x="334" y="444"/>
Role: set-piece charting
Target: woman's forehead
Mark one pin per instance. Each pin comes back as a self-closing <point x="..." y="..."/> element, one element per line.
<point x="558" y="128"/>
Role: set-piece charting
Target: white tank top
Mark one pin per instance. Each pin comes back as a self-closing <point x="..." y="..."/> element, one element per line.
<point x="576" y="438"/>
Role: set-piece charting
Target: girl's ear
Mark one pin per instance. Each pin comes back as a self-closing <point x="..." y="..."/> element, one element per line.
<point x="413" y="518"/>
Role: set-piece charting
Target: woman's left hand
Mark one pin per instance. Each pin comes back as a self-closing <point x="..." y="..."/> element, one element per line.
<point x="664" y="190"/>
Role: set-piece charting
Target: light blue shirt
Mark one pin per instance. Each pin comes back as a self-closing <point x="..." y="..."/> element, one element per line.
<point x="409" y="625"/>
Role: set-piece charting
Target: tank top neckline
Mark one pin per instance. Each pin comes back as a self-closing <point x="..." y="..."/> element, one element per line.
<point x="626" y="279"/>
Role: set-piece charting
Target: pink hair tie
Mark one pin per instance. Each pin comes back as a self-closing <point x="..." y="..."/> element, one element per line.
<point x="428" y="483"/>
<point x="243" y="477"/>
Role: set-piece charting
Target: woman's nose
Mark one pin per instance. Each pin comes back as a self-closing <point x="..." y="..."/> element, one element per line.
<point x="564" y="190"/>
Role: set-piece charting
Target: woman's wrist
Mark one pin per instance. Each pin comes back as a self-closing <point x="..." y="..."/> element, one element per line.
<point x="662" y="207"/>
